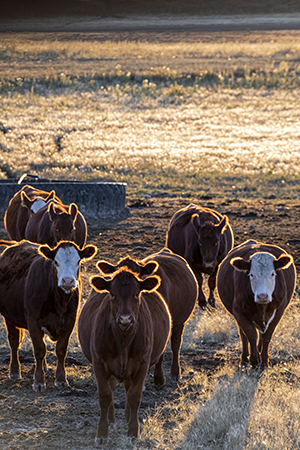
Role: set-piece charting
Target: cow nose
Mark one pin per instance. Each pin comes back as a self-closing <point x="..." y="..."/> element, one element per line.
<point x="209" y="264"/>
<point x="125" y="321"/>
<point x="68" y="283"/>
<point x="262" y="298"/>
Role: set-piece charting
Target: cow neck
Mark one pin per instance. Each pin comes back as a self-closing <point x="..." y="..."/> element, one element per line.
<point x="264" y="313"/>
<point x="123" y="341"/>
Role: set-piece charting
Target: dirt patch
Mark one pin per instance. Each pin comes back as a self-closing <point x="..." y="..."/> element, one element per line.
<point x="68" y="419"/>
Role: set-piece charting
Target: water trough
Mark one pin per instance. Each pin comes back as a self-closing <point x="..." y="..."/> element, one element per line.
<point x="95" y="200"/>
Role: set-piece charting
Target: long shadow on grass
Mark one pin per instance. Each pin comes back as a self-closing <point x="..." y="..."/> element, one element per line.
<point x="221" y="424"/>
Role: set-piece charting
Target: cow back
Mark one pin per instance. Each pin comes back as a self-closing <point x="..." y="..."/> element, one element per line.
<point x="178" y="286"/>
<point x="17" y="216"/>
<point x="15" y="263"/>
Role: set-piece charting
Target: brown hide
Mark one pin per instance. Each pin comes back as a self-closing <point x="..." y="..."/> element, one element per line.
<point x="236" y="294"/>
<point x="17" y="214"/>
<point x="203" y="237"/>
<point x="178" y="287"/>
<point x="123" y="330"/>
<point x="31" y="299"/>
<point x="56" y="222"/>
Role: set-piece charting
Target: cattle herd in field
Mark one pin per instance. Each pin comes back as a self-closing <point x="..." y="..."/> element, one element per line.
<point x="135" y="306"/>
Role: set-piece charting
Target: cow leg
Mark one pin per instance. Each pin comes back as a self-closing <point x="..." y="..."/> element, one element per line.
<point x="245" y="348"/>
<point x="266" y="339"/>
<point x="105" y="395"/>
<point x="62" y="347"/>
<point x="176" y="340"/>
<point x="134" y="390"/>
<point x="212" y="285"/>
<point x="250" y="333"/>
<point x="159" y="378"/>
<point x="39" y="349"/>
<point x="199" y="278"/>
<point x="15" y="337"/>
<point x="111" y="411"/>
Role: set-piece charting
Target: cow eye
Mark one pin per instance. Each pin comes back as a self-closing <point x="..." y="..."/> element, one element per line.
<point x="216" y="244"/>
<point x="251" y="275"/>
<point x="56" y="263"/>
<point x="273" y="274"/>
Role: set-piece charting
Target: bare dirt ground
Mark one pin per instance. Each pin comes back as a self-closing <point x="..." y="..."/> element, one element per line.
<point x="68" y="419"/>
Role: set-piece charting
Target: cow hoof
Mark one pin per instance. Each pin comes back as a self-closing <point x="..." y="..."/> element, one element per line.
<point x="38" y="387"/>
<point x="62" y="384"/>
<point x="15" y="376"/>
<point x="100" y="441"/>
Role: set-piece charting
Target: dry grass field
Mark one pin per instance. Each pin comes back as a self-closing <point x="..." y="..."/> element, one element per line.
<point x="206" y="118"/>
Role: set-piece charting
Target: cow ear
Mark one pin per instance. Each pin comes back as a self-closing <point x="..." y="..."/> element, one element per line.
<point x="88" y="252"/>
<point x="195" y="221"/>
<point x="105" y="267"/>
<point x="73" y="211"/>
<point x="283" y="262"/>
<point x="100" y="284"/>
<point x="50" y="196"/>
<point x="51" y="211"/>
<point x="26" y="202"/>
<point x="240" y="264"/>
<point x="149" y="268"/>
<point x="46" y="251"/>
<point x="150" y="284"/>
<point x="223" y="224"/>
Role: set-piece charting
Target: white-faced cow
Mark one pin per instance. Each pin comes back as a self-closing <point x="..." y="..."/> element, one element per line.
<point x="256" y="282"/>
<point x="22" y="206"/>
<point x="178" y="287"/>
<point x="123" y="329"/>
<point x="203" y="237"/>
<point x="55" y="222"/>
<point x="40" y="289"/>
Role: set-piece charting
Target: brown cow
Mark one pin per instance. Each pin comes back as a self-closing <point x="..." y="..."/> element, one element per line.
<point x="123" y="329"/>
<point x="203" y="237"/>
<point x="22" y="206"/>
<point x="40" y="289"/>
<point x="56" y="222"/>
<point x="256" y="282"/>
<point x="178" y="287"/>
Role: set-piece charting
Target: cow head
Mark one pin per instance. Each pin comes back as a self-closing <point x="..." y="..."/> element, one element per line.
<point x="134" y="265"/>
<point x="32" y="205"/>
<point x="62" y="221"/>
<point x="35" y="204"/>
<point x="125" y="290"/>
<point x="262" y="268"/>
<point x="67" y="257"/>
<point x="209" y="239"/>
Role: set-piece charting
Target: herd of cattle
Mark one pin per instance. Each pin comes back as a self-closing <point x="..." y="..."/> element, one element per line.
<point x="135" y="306"/>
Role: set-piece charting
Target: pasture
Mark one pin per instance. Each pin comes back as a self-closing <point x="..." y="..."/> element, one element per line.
<point x="211" y="119"/>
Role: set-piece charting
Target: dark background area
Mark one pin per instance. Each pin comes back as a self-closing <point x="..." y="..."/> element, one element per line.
<point x="18" y="9"/>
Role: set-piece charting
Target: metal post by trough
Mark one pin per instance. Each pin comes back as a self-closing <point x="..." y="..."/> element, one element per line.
<point x="95" y="200"/>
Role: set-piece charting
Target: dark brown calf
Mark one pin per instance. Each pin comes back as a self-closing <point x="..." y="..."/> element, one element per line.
<point x="256" y="282"/>
<point x="178" y="287"/>
<point x="22" y="206"/>
<point x="123" y="329"/>
<point x="56" y="222"/>
<point x="39" y="290"/>
<point x="203" y="237"/>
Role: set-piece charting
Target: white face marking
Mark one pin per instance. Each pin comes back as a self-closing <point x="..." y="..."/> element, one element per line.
<point x="67" y="261"/>
<point x="37" y="204"/>
<point x="262" y="277"/>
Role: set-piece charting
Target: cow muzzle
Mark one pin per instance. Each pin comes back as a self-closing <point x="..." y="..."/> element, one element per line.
<point x="68" y="284"/>
<point x="125" y="322"/>
<point x="262" y="299"/>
